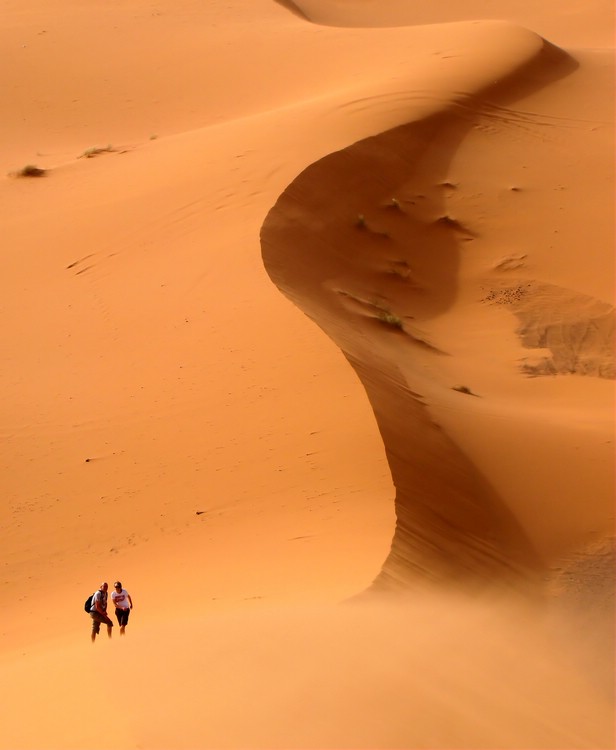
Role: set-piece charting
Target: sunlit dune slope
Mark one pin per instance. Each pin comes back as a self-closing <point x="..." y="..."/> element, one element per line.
<point x="386" y="243"/>
<point x="156" y="373"/>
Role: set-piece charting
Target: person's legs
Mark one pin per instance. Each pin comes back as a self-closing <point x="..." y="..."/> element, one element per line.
<point x="96" y="626"/>
<point x="122" y="615"/>
<point x="97" y="618"/>
<point x="109" y="625"/>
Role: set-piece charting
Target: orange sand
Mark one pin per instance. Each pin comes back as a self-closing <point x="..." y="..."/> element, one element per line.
<point x="381" y="516"/>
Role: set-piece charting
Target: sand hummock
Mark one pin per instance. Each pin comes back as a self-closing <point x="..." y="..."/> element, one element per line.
<point x="308" y="336"/>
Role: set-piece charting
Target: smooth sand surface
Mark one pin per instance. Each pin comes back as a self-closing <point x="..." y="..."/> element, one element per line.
<point x="308" y="337"/>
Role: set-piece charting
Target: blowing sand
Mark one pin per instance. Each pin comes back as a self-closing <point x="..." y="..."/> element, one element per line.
<point x="308" y="337"/>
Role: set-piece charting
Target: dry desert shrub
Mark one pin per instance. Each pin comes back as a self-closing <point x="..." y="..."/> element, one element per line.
<point x="30" y="170"/>
<point x="394" y="203"/>
<point x="390" y="319"/>
<point x="93" y="151"/>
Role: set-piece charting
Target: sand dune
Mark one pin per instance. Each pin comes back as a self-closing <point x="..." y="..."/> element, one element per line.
<point x="390" y="222"/>
<point x="432" y="673"/>
<point x="381" y="516"/>
<point x="578" y="22"/>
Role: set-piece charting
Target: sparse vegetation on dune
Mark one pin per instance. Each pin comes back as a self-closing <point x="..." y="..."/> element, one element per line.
<point x="376" y="308"/>
<point x="390" y="319"/>
<point x="93" y="151"/>
<point x="30" y="170"/>
<point x="399" y="268"/>
<point x="394" y="203"/>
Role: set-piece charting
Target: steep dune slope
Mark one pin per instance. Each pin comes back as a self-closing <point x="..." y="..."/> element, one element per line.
<point x="379" y="240"/>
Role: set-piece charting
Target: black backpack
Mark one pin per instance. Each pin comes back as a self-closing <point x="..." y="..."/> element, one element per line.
<point x="88" y="604"/>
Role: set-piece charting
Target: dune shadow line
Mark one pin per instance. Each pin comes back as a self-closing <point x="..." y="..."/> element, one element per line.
<point x="451" y="526"/>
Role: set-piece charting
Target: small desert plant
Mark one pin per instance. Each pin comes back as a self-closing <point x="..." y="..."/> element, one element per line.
<point x="399" y="268"/>
<point x="30" y="170"/>
<point x="390" y="319"/>
<point x="89" y="153"/>
<point x="394" y="203"/>
<point x="360" y="222"/>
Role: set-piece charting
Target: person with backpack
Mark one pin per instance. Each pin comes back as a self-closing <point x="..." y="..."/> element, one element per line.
<point x="98" y="611"/>
<point x="123" y="605"/>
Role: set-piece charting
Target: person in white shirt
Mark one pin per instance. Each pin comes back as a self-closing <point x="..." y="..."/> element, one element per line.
<point x="123" y="604"/>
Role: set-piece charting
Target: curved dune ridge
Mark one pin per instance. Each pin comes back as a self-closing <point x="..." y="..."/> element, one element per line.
<point x="585" y="22"/>
<point x="373" y="511"/>
<point x="365" y="242"/>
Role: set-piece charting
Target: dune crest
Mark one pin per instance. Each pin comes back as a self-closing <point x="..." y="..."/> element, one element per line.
<point x="587" y="29"/>
<point x="363" y="242"/>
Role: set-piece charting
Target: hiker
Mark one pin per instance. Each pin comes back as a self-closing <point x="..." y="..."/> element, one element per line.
<point x="123" y="604"/>
<point x="98" y="611"/>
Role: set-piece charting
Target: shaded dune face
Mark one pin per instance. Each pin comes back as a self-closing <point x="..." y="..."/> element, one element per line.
<point x="295" y="9"/>
<point x="361" y="242"/>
